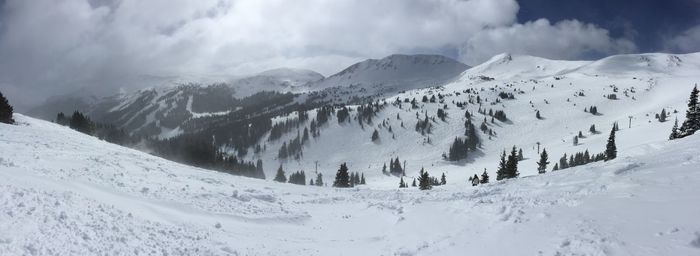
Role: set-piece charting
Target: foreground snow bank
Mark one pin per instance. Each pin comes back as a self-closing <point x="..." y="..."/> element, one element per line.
<point x="63" y="193"/>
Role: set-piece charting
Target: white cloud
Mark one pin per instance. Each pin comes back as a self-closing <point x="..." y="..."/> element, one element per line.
<point x="54" y="46"/>
<point x="568" y="39"/>
<point x="688" y="41"/>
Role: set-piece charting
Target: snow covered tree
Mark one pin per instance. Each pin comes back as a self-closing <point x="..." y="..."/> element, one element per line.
<point x="575" y="140"/>
<point x="384" y="169"/>
<point x="592" y="129"/>
<point x="484" y="177"/>
<point x="280" y="177"/>
<point x="542" y="164"/>
<point x="375" y="135"/>
<point x="443" y="179"/>
<point x="674" y="131"/>
<point x="537" y="115"/>
<point x="424" y="180"/>
<point x="319" y="180"/>
<point x="362" y="179"/>
<point x="692" y="115"/>
<point x="342" y="177"/>
<point x="610" y="148"/>
<point x="556" y="167"/>
<point x="475" y="180"/>
<point x="311" y="182"/>
<point x="663" y="116"/>
<point x="6" y="111"/>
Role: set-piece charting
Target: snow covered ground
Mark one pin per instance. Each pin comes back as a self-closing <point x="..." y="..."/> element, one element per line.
<point x="64" y="193"/>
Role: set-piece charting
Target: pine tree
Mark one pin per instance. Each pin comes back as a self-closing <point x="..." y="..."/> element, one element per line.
<point x="375" y="135"/>
<point x="443" y="179"/>
<point x="424" y="180"/>
<point x="542" y="164"/>
<point x="475" y="180"/>
<point x="319" y="180"/>
<point x="610" y="148"/>
<point x="311" y="182"/>
<point x="414" y="182"/>
<point x="401" y="183"/>
<point x="280" y="177"/>
<point x="556" y="167"/>
<point x="592" y="129"/>
<point x="512" y="165"/>
<point x="520" y="155"/>
<point x="692" y="115"/>
<point x="6" y="111"/>
<point x="662" y="116"/>
<point x="538" y="116"/>
<point x="484" y="177"/>
<point x="362" y="179"/>
<point x="342" y="177"/>
<point x="501" y="171"/>
<point x="674" y="131"/>
<point x="575" y="141"/>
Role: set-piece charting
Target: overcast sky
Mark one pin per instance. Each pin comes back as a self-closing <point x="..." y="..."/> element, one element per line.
<point x="50" y="47"/>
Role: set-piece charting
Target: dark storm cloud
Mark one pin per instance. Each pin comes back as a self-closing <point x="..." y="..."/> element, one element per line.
<point x="50" y="47"/>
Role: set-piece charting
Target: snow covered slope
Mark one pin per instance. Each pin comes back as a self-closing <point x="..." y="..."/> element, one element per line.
<point x="392" y="74"/>
<point x="561" y="97"/>
<point x="65" y="193"/>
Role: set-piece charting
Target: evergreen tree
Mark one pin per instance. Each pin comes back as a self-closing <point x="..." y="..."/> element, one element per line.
<point x="662" y="116"/>
<point x="556" y="167"/>
<point x="259" y="173"/>
<point x="384" y="169"/>
<point x="484" y="177"/>
<point x="501" y="171"/>
<point x="542" y="164"/>
<point x="512" y="165"/>
<point x="475" y="180"/>
<point x="592" y="129"/>
<point x="443" y="179"/>
<point x="81" y="123"/>
<point x="674" y="131"/>
<point x="375" y="135"/>
<point x="280" y="177"/>
<point x="424" y="180"/>
<point x="575" y="141"/>
<point x="362" y="179"/>
<point x="319" y="180"/>
<point x="692" y="115"/>
<point x="342" y="177"/>
<point x="520" y="155"/>
<point x="538" y="116"/>
<point x="414" y="182"/>
<point x="610" y="148"/>
<point x="402" y="184"/>
<point x="6" y="111"/>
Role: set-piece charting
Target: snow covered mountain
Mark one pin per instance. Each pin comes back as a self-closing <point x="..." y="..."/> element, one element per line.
<point x="63" y="192"/>
<point x="561" y="91"/>
<point x="392" y="74"/>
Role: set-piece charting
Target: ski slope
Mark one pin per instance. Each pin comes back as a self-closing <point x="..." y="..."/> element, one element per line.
<point x="645" y="84"/>
<point x="64" y="193"/>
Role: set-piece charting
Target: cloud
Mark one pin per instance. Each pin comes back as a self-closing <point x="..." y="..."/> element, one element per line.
<point x="50" y="47"/>
<point x="687" y="41"/>
<point x="567" y="39"/>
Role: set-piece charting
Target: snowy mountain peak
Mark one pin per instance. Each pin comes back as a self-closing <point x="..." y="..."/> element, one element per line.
<point x="397" y="71"/>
